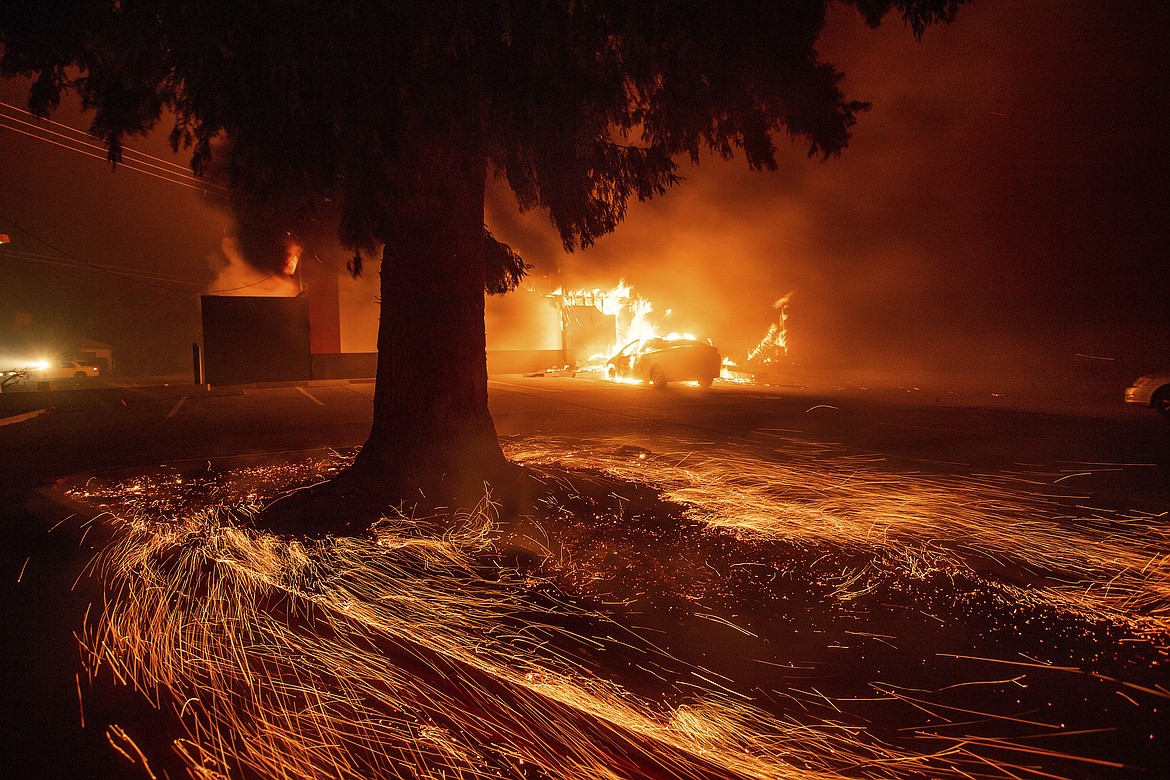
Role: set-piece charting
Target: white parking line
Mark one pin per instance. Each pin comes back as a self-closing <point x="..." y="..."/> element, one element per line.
<point x="175" y="409"/>
<point x="19" y="418"/>
<point x="523" y="386"/>
<point x="310" y="396"/>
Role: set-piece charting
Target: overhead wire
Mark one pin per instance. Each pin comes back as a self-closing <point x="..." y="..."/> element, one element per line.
<point x="88" y="139"/>
<point x="172" y="173"/>
<point x="84" y="138"/>
<point x="124" y="274"/>
<point x="71" y="263"/>
<point x="160" y="168"/>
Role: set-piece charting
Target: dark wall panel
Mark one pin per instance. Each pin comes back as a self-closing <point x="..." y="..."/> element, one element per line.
<point x="255" y="339"/>
<point x="345" y="365"/>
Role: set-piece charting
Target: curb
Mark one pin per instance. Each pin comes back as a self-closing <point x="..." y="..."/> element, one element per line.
<point x="19" y="418"/>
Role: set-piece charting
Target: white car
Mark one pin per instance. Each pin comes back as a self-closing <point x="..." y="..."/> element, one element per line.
<point x="1152" y="390"/>
<point x="63" y="369"/>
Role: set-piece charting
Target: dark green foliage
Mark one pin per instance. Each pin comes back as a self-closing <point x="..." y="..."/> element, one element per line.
<point x="919" y="14"/>
<point x="582" y="104"/>
<point x="504" y="267"/>
<point x="386" y="115"/>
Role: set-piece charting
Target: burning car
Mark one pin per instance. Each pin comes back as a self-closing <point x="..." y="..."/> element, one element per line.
<point x="662" y="360"/>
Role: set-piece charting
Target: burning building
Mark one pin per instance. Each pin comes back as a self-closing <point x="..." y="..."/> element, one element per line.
<point x="294" y="318"/>
<point x="310" y="319"/>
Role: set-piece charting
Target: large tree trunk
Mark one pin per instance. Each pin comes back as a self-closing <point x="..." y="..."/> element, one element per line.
<point x="432" y="434"/>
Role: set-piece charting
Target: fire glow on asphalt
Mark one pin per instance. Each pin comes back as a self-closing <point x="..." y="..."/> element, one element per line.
<point x="1092" y="562"/>
<point x="419" y="651"/>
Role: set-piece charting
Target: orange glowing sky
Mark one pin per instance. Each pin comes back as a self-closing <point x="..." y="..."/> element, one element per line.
<point x="1004" y="202"/>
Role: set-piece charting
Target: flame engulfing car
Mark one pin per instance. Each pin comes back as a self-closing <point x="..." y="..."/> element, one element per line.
<point x="662" y="360"/>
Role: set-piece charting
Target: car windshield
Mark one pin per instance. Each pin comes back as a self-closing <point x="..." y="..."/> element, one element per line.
<point x="629" y="349"/>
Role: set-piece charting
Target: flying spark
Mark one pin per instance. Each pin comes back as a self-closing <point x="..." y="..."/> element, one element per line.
<point x="426" y="650"/>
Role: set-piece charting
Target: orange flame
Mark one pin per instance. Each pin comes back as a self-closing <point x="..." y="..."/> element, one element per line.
<point x="774" y="346"/>
<point x="238" y="277"/>
<point x="631" y="313"/>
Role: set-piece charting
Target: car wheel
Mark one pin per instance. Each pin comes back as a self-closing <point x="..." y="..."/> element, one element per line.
<point x="1161" y="401"/>
<point x="611" y="372"/>
<point x="79" y="375"/>
<point x="705" y="381"/>
<point x="658" y="377"/>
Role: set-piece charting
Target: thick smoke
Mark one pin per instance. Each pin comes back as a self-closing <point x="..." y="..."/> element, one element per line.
<point x="281" y="247"/>
<point x="998" y="215"/>
<point x="262" y="247"/>
<point x="236" y="273"/>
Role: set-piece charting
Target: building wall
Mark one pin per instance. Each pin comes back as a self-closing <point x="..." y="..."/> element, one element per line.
<point x="250" y="339"/>
<point x="522" y="320"/>
<point x="330" y="332"/>
<point x="320" y="281"/>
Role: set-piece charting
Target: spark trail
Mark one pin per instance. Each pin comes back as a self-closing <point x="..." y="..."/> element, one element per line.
<point x="422" y="651"/>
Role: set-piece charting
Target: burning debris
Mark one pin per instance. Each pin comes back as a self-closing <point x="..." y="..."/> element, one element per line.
<point x="774" y="346"/>
<point x="401" y="655"/>
<point x="606" y="329"/>
<point x="601" y="326"/>
<point x="425" y="651"/>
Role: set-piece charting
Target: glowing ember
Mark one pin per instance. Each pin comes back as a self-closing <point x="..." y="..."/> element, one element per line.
<point x="1095" y="563"/>
<point x="429" y="650"/>
<point x="392" y="656"/>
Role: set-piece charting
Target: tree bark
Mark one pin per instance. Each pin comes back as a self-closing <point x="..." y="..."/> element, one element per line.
<point x="432" y="434"/>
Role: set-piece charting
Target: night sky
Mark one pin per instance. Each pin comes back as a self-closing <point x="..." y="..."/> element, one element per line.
<point x="1003" y="203"/>
<point x="66" y="213"/>
<point x="1002" y="209"/>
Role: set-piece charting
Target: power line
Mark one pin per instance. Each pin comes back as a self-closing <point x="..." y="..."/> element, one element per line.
<point x="71" y="263"/>
<point x="86" y="139"/>
<point x="42" y="134"/>
<point x="89" y="139"/>
<point x="171" y="173"/>
<point x="163" y="169"/>
<point x="102" y="157"/>
<point x="123" y="274"/>
<point x="128" y="277"/>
